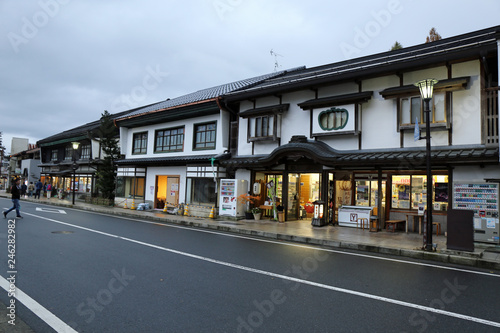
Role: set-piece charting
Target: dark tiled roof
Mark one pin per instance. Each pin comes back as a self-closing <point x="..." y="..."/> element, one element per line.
<point x="207" y="94"/>
<point x="473" y="44"/>
<point x="79" y="132"/>
<point x="404" y="158"/>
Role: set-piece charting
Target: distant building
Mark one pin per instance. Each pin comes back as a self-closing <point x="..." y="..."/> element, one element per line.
<point x="26" y="164"/>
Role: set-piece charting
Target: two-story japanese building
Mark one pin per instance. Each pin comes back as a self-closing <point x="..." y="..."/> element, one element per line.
<point x="344" y="132"/>
<point x="172" y="149"/>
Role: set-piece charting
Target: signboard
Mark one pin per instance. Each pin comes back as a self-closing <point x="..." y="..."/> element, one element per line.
<point x="334" y="120"/>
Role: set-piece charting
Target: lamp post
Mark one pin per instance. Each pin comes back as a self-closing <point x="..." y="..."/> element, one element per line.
<point x="74" y="167"/>
<point x="426" y="88"/>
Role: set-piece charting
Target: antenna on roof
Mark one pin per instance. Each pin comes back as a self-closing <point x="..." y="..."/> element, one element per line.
<point x="276" y="65"/>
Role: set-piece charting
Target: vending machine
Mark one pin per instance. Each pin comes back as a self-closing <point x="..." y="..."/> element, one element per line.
<point x="482" y="199"/>
<point x="230" y="189"/>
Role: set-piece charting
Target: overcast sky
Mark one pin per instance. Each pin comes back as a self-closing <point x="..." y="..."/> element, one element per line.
<point x="63" y="62"/>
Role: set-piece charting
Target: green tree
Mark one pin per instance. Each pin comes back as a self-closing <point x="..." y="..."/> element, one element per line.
<point x="106" y="171"/>
<point x="397" y="45"/>
<point x="433" y="36"/>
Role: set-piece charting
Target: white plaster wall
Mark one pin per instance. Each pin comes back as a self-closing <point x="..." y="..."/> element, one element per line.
<point x="245" y="175"/>
<point x="188" y="138"/>
<point x="296" y="121"/>
<point x="378" y="117"/>
<point x="223" y="130"/>
<point x="438" y="73"/>
<point x="123" y="140"/>
<point x="378" y="121"/>
<point x="95" y="152"/>
<point x="152" y="172"/>
<point x="476" y="173"/>
<point x="467" y="126"/>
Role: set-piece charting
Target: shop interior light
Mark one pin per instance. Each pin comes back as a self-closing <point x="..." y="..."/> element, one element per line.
<point x="75" y="145"/>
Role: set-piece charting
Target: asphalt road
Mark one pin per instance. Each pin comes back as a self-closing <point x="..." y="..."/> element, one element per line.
<point x="85" y="272"/>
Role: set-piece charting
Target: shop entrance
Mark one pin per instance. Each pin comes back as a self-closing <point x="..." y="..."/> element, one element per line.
<point x="167" y="191"/>
<point x="303" y="190"/>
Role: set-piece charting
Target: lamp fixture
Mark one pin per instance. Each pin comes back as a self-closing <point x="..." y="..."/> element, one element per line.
<point x="426" y="87"/>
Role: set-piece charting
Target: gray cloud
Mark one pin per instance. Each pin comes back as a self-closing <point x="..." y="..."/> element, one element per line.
<point x="63" y="62"/>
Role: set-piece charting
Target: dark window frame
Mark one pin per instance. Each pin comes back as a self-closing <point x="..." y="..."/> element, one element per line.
<point x="200" y="141"/>
<point x="140" y="143"/>
<point x="168" y="140"/>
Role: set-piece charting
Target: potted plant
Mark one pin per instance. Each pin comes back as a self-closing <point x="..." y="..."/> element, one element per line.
<point x="257" y="212"/>
<point x="281" y="213"/>
<point x="248" y="200"/>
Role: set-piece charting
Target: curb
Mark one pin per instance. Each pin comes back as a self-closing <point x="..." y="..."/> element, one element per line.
<point x="447" y="257"/>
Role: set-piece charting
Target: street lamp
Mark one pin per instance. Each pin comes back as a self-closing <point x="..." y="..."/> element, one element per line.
<point x="74" y="167"/>
<point x="426" y="88"/>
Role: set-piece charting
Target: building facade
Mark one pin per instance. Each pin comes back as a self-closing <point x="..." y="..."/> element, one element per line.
<point x="343" y="133"/>
<point x="69" y="159"/>
<point x="172" y="149"/>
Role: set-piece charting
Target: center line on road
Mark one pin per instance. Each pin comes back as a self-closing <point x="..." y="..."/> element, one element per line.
<point x="284" y="277"/>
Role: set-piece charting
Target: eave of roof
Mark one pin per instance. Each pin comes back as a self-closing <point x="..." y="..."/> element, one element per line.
<point x="173" y="160"/>
<point x="473" y="45"/>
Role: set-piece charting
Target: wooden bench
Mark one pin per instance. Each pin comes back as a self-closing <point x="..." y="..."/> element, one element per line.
<point x="393" y="223"/>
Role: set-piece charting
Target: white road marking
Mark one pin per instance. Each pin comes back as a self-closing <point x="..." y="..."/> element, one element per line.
<point x="50" y="210"/>
<point x="284" y="242"/>
<point x="284" y="277"/>
<point x="52" y="320"/>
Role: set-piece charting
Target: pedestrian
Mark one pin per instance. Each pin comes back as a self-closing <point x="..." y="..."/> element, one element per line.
<point x="15" y="190"/>
<point x="38" y="187"/>
<point x="24" y="189"/>
<point x="49" y="190"/>
<point x="31" y="189"/>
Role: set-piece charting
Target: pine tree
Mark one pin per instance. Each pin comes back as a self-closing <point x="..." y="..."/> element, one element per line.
<point x="433" y="36"/>
<point x="397" y="45"/>
<point x="106" y="171"/>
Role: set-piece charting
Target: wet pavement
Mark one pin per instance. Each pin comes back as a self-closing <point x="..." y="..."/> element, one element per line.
<point x="382" y="242"/>
<point x="396" y="243"/>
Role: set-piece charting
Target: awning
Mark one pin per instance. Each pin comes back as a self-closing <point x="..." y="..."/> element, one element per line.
<point x="266" y="110"/>
<point x="412" y="90"/>
<point x="354" y="98"/>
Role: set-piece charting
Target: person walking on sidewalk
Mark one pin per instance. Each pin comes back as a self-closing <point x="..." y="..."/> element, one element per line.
<point x="16" y="195"/>
<point x="38" y="187"/>
<point x="31" y="189"/>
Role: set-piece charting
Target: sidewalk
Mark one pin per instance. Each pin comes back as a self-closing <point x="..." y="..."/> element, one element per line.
<point x="383" y="242"/>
